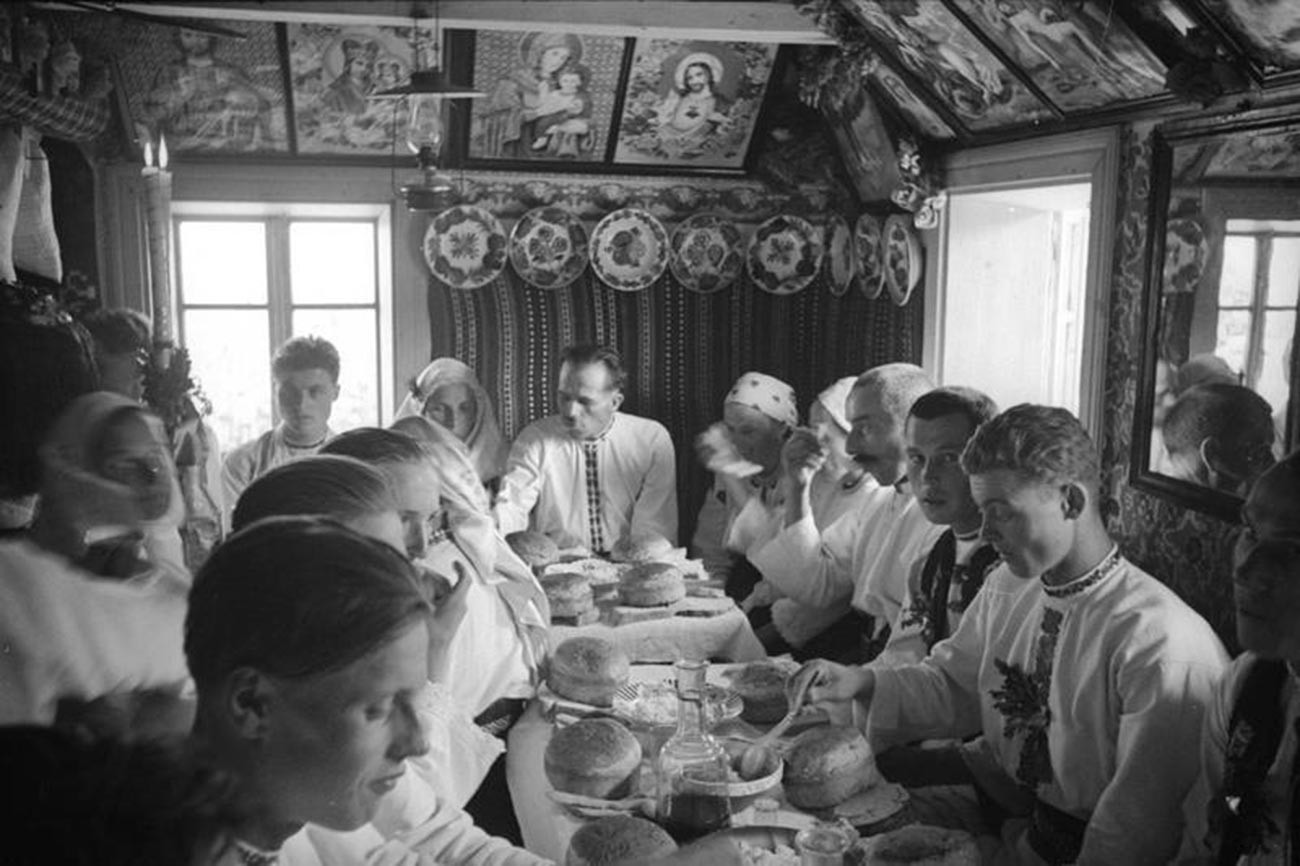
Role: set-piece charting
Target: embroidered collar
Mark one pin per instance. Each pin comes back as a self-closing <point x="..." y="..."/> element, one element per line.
<point x="1103" y="570"/>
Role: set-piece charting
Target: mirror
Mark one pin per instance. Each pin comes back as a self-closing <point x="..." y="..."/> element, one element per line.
<point x="1217" y="398"/>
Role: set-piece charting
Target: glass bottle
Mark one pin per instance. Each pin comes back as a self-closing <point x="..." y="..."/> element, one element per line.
<point x="692" y="765"/>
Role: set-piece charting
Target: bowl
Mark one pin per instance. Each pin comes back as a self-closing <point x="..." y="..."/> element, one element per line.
<point x="742" y="791"/>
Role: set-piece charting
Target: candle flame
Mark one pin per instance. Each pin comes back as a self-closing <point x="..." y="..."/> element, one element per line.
<point x="148" y="154"/>
<point x="162" y="151"/>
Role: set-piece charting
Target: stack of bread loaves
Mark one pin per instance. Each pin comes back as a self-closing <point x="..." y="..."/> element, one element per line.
<point x="642" y="548"/>
<point x="570" y="597"/>
<point x="826" y="766"/>
<point x="618" y="839"/>
<point x="594" y="758"/>
<point x="588" y="670"/>
<point x="651" y="584"/>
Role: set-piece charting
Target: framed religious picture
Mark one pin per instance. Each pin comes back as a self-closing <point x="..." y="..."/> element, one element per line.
<point x="692" y="104"/>
<point x="333" y="69"/>
<point x="206" y="94"/>
<point x="550" y="96"/>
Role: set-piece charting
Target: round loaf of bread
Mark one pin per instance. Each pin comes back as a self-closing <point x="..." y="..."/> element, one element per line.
<point x="761" y="685"/>
<point x="826" y="766"/>
<point x="569" y="593"/>
<point x="641" y="548"/>
<point x="594" y="758"/>
<point x="651" y="584"/>
<point x="534" y="548"/>
<point x="617" y="839"/>
<point x="922" y="845"/>
<point x="588" y="670"/>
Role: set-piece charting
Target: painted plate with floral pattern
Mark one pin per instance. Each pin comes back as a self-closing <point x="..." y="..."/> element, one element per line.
<point x="841" y="257"/>
<point x="902" y="258"/>
<point x="465" y="247"/>
<point x="784" y="255"/>
<point x="548" y="247"/>
<point x="707" y="253"/>
<point x="629" y="249"/>
<point x="867" y="244"/>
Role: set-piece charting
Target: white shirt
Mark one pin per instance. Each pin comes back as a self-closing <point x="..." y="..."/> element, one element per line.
<point x="863" y="557"/>
<point x="67" y="634"/>
<point x="1214" y="744"/>
<point x="252" y="459"/>
<point x="545" y="484"/>
<point x="1131" y="674"/>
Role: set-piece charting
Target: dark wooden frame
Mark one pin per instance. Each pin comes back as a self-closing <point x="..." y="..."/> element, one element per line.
<point x="1214" y="502"/>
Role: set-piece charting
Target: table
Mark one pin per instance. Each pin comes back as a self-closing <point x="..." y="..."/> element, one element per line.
<point x="547" y="826"/>
<point x="726" y="637"/>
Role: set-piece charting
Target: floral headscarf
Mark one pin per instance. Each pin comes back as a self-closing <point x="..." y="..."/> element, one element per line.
<point x="768" y="395"/>
<point x="486" y="448"/>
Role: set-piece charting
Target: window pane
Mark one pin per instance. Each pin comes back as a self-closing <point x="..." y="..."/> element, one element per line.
<point x="1233" y="338"/>
<point x="231" y="359"/>
<point x="1237" y="284"/>
<point x="1279" y="330"/>
<point x="354" y="334"/>
<point x="332" y="262"/>
<point x="222" y="262"/>
<point x="1284" y="272"/>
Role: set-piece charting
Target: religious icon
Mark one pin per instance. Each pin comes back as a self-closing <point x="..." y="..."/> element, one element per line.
<point x="693" y="103"/>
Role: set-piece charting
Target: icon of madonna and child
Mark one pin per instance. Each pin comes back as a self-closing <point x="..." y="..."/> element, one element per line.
<point x="542" y="108"/>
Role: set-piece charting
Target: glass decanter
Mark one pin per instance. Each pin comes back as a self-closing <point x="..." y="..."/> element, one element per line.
<point x="692" y="767"/>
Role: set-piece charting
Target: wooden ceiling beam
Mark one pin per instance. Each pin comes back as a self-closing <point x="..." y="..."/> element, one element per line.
<point x="750" y="21"/>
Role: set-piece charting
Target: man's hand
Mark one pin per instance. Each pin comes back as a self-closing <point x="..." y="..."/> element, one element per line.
<point x="832" y="683"/>
<point x="801" y="456"/>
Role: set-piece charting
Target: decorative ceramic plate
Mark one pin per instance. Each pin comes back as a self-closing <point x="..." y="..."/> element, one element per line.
<point x="871" y="263"/>
<point x="706" y="253"/>
<point x="629" y="249"/>
<point x="548" y="247"/>
<point x="465" y="247"/>
<point x="841" y="257"/>
<point x="784" y="255"/>
<point x="902" y="258"/>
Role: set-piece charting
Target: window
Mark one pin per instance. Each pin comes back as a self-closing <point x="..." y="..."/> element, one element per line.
<point x="1258" y="291"/>
<point x="1017" y="304"/>
<point x="250" y="277"/>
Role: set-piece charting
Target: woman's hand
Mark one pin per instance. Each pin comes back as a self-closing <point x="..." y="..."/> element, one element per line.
<point x="449" y="611"/>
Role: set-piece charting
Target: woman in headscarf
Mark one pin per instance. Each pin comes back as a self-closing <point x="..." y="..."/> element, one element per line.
<point x="448" y="393"/>
<point x="91" y="602"/>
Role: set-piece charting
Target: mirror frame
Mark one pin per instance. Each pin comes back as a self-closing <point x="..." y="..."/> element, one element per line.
<point x="1166" y="136"/>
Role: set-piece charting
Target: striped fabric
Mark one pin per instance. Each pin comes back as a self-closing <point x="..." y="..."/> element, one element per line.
<point x="591" y="456"/>
<point x="683" y="350"/>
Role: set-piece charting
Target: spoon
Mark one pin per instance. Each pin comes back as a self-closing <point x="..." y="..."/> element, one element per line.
<point x="754" y="758"/>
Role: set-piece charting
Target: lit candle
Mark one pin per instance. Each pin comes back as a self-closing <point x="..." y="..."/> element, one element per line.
<point x="158" y="217"/>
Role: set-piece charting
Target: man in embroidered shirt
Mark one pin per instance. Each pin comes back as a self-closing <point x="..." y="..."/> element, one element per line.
<point x="863" y="556"/>
<point x="591" y="472"/>
<point x="1088" y="677"/>
<point x="306" y="373"/>
<point x="1244" y="808"/>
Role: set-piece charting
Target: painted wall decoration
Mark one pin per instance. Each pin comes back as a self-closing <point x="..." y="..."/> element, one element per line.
<point x="693" y="103"/>
<point x="549" y="95"/>
<point x="1271" y="29"/>
<point x="1272" y="153"/>
<point x="934" y="45"/>
<point x="334" y="69"/>
<point x="1081" y="56"/>
<point x="921" y="116"/>
<point x="207" y="94"/>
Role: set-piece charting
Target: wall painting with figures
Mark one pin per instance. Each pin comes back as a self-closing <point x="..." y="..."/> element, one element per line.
<point x="550" y="96"/>
<point x="930" y="41"/>
<point x="207" y="94"/>
<point x="333" y="70"/>
<point x="1079" y="55"/>
<point x="693" y="104"/>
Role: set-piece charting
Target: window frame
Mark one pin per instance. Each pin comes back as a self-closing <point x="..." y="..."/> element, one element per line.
<point x="1061" y="159"/>
<point x="1259" y="306"/>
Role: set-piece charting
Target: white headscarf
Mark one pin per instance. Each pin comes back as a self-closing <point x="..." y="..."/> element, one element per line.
<point x="486" y="448"/>
<point x="768" y="395"/>
<point x="835" y="401"/>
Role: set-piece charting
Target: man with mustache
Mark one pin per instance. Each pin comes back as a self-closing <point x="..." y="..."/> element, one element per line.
<point x="1087" y="677"/>
<point x="862" y="557"/>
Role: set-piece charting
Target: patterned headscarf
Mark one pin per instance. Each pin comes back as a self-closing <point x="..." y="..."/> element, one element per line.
<point x="768" y="395"/>
<point x="486" y="447"/>
<point x="835" y="401"/>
